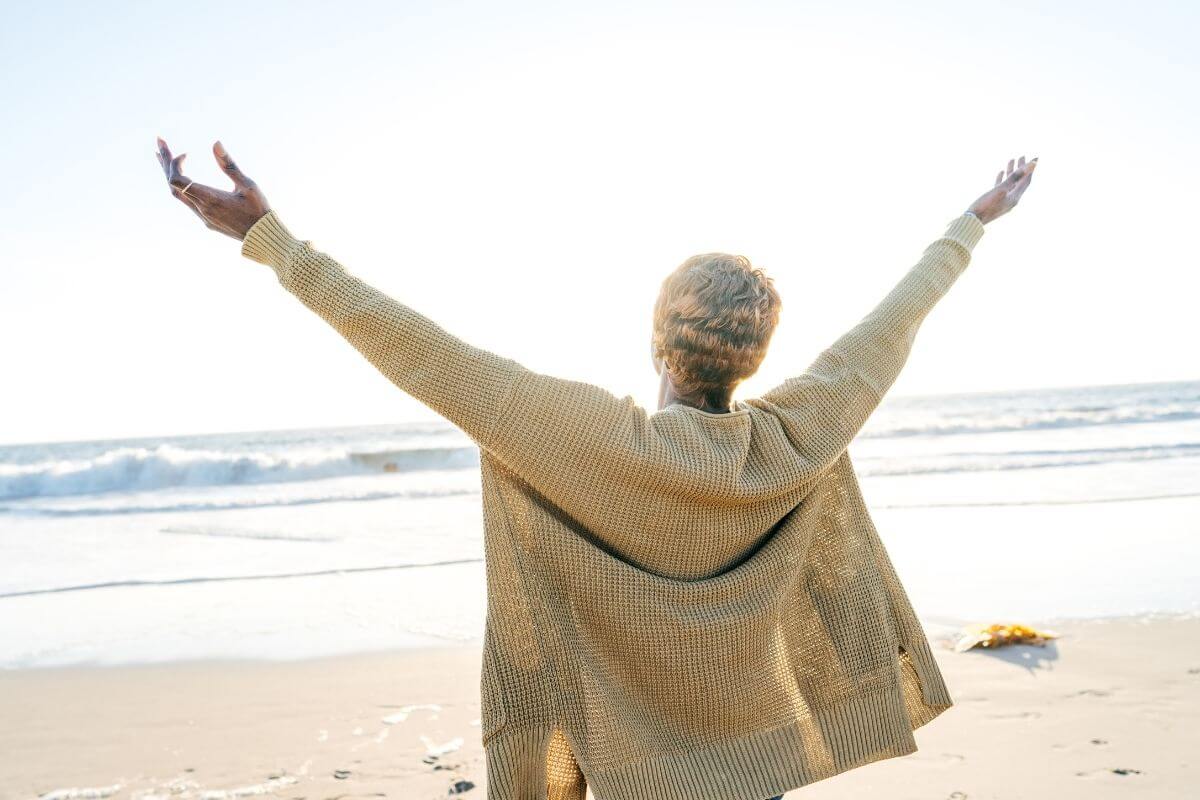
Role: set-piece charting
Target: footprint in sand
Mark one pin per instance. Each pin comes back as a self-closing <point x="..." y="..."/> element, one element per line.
<point x="433" y="752"/>
<point x="437" y="750"/>
<point x="405" y="711"/>
<point x="1016" y="715"/>
<point x="1090" y="693"/>
<point x="1111" y="771"/>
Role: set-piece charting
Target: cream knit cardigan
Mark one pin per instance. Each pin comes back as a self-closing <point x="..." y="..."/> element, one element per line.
<point x="680" y="605"/>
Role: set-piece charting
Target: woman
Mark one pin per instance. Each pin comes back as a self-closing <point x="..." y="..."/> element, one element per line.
<point x="689" y="604"/>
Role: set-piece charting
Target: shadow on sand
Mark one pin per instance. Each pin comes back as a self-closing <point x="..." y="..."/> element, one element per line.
<point x="1030" y="657"/>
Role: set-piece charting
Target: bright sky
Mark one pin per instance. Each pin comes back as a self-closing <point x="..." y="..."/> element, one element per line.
<point x="526" y="174"/>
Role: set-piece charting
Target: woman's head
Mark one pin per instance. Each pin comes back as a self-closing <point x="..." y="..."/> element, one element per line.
<point x="712" y="323"/>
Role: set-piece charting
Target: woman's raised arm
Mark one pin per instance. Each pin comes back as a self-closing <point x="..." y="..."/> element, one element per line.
<point x="825" y="406"/>
<point x="466" y="385"/>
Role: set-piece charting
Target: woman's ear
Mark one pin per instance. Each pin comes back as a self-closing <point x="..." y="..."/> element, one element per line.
<point x="654" y="359"/>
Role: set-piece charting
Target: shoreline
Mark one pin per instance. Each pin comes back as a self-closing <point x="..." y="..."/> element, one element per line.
<point x="1099" y="711"/>
<point x="958" y="567"/>
<point x="937" y="631"/>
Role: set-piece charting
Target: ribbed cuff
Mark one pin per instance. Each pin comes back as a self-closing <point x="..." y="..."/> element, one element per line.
<point x="268" y="241"/>
<point x="967" y="230"/>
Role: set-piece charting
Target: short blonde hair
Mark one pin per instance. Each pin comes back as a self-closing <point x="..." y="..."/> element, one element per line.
<point x="712" y="323"/>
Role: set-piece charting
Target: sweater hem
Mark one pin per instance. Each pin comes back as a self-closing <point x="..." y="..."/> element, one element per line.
<point x="869" y="727"/>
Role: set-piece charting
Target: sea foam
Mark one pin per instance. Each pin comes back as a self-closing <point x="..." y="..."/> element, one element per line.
<point x="171" y="466"/>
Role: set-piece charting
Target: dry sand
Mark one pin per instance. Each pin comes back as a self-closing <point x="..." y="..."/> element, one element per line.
<point x="1110" y="709"/>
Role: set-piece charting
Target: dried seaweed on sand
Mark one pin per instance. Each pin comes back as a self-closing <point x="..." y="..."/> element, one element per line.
<point x="1000" y="634"/>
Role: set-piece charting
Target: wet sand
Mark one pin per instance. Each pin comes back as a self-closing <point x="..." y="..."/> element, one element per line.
<point x="1110" y="709"/>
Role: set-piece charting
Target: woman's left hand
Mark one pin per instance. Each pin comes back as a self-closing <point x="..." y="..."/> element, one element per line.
<point x="231" y="213"/>
<point x="1004" y="196"/>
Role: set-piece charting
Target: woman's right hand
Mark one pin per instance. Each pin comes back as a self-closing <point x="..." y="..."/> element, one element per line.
<point x="231" y="213"/>
<point x="1003" y="197"/>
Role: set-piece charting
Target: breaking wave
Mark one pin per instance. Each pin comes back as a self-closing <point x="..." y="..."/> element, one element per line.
<point x="142" y="469"/>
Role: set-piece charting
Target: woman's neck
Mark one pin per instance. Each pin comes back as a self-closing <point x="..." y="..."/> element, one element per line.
<point x="714" y="405"/>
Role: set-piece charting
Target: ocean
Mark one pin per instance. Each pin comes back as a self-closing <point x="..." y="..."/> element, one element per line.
<point x="1022" y="506"/>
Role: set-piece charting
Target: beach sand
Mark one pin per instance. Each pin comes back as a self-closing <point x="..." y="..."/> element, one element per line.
<point x="1110" y="709"/>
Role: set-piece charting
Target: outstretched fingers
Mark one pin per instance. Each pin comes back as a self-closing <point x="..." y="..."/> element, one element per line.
<point x="175" y="172"/>
<point x="172" y="166"/>
<point x="191" y="194"/>
<point x="1023" y="183"/>
<point x="226" y="162"/>
<point x="1018" y="170"/>
<point x="1023" y="172"/>
<point x="166" y="160"/>
<point x="177" y="181"/>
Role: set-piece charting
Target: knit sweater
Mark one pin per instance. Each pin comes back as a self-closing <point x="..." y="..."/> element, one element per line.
<point x="681" y="605"/>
